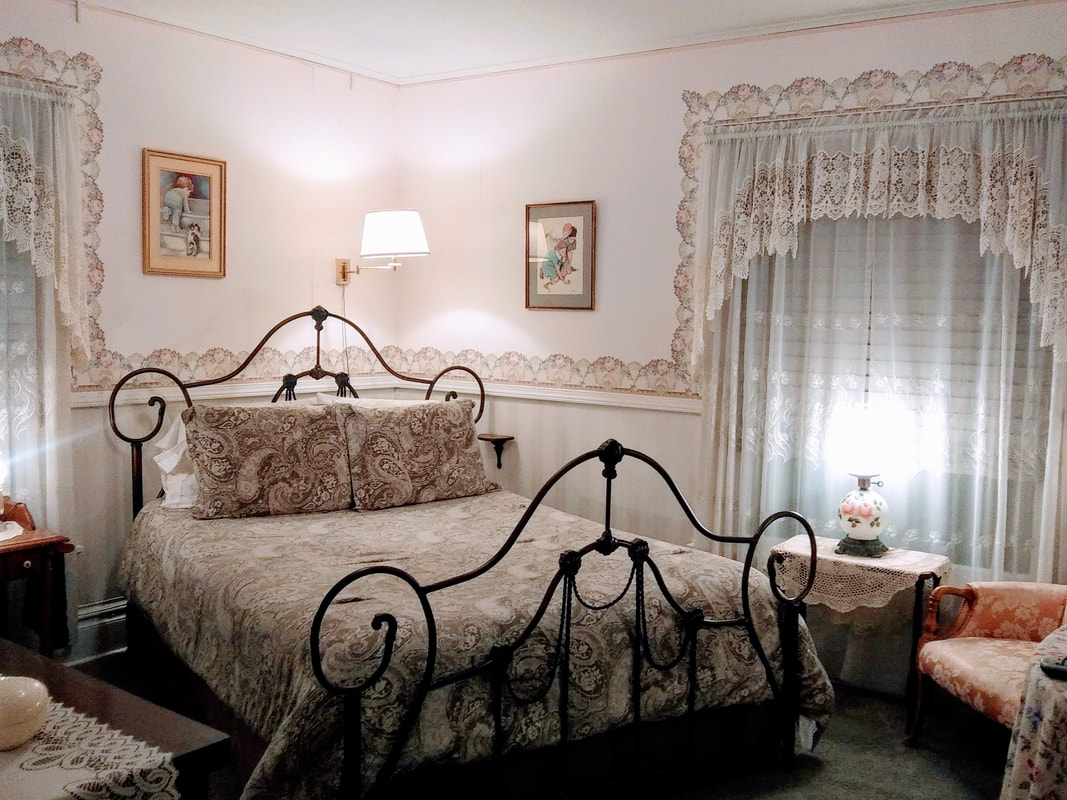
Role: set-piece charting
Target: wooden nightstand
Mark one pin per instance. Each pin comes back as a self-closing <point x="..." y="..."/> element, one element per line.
<point x="30" y="553"/>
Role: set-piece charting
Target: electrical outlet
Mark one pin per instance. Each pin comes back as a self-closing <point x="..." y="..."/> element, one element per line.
<point x="344" y="271"/>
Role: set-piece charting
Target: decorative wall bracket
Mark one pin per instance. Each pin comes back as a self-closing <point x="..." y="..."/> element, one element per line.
<point x="498" y="440"/>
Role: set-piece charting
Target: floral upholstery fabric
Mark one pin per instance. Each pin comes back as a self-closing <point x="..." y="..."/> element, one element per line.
<point x="987" y="674"/>
<point x="266" y="460"/>
<point x="414" y="454"/>
<point x="1015" y="610"/>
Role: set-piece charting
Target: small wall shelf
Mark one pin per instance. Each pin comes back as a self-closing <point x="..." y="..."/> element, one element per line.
<point x="498" y="440"/>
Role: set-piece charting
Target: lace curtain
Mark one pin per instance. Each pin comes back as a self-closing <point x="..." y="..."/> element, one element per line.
<point x="42" y="291"/>
<point x="30" y="418"/>
<point x="41" y="204"/>
<point x="843" y="266"/>
<point x="1003" y="168"/>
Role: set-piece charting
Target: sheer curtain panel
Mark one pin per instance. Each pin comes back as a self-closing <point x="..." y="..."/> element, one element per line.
<point x="43" y="311"/>
<point x="32" y="421"/>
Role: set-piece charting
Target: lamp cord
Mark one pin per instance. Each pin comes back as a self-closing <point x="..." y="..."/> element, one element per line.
<point x="344" y="331"/>
<point x="870" y="318"/>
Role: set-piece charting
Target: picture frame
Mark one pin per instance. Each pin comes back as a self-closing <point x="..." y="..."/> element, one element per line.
<point x="561" y="255"/>
<point x="183" y="215"/>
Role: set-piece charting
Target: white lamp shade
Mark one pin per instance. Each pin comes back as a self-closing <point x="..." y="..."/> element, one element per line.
<point x="875" y="439"/>
<point x="393" y="233"/>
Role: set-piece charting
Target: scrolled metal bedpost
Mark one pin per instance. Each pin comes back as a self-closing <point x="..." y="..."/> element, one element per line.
<point x="789" y="612"/>
<point x="569" y="564"/>
<point x="452" y="395"/>
<point x="638" y="558"/>
<point x="789" y="633"/>
<point x="136" y="442"/>
<point x="352" y="696"/>
<point x="752" y="543"/>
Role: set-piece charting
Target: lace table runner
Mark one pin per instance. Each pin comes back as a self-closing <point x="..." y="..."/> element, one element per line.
<point x="74" y="756"/>
<point x="845" y="583"/>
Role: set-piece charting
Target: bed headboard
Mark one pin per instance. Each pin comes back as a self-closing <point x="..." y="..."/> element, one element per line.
<point x="286" y="390"/>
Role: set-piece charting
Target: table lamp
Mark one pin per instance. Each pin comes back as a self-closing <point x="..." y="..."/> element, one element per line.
<point x="861" y="515"/>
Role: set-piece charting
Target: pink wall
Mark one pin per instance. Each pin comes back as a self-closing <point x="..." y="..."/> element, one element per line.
<point x="307" y="154"/>
<point x="474" y="152"/>
<point x="309" y="149"/>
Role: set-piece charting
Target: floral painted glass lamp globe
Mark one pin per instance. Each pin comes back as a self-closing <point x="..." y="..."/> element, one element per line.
<point x="861" y="516"/>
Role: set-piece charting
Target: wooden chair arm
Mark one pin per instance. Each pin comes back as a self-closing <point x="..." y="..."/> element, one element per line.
<point x="930" y="626"/>
<point x="17" y="512"/>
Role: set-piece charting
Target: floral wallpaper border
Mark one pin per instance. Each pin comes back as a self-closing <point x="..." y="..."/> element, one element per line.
<point x="1024" y="76"/>
<point x="655" y="377"/>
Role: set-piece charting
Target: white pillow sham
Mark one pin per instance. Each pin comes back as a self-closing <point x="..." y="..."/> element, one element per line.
<point x="176" y="468"/>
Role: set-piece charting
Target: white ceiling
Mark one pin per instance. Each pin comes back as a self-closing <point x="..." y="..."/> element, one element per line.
<point x="413" y="41"/>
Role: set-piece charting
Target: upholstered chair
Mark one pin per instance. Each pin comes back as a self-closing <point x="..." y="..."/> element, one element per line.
<point x="983" y="654"/>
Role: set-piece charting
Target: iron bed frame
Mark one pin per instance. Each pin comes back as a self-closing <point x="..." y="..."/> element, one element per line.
<point x="691" y="621"/>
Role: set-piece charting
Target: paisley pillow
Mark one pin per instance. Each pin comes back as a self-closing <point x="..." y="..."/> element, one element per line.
<point x="414" y="454"/>
<point x="267" y="460"/>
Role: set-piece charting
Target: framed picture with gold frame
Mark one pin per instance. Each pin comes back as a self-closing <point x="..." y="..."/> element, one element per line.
<point x="561" y="255"/>
<point x="183" y="215"/>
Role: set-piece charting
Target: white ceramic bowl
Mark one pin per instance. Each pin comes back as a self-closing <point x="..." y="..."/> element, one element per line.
<point x="23" y="709"/>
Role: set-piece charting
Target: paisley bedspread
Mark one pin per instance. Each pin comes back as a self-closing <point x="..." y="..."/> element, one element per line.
<point x="234" y="598"/>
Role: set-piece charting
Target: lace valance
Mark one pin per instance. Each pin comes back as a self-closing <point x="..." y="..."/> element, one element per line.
<point x="1001" y="166"/>
<point x="41" y="193"/>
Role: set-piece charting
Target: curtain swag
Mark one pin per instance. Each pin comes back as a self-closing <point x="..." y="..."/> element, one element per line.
<point x="1000" y="165"/>
<point x="41" y="194"/>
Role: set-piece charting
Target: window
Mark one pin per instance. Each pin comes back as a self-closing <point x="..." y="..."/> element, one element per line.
<point x="905" y="318"/>
<point x="952" y="223"/>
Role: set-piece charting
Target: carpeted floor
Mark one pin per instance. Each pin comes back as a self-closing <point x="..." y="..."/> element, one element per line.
<point x="960" y="756"/>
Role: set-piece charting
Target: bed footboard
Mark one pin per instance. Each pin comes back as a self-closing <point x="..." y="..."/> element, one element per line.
<point x="564" y="595"/>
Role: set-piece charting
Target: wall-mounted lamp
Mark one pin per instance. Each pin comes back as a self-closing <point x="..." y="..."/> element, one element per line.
<point x="391" y="234"/>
